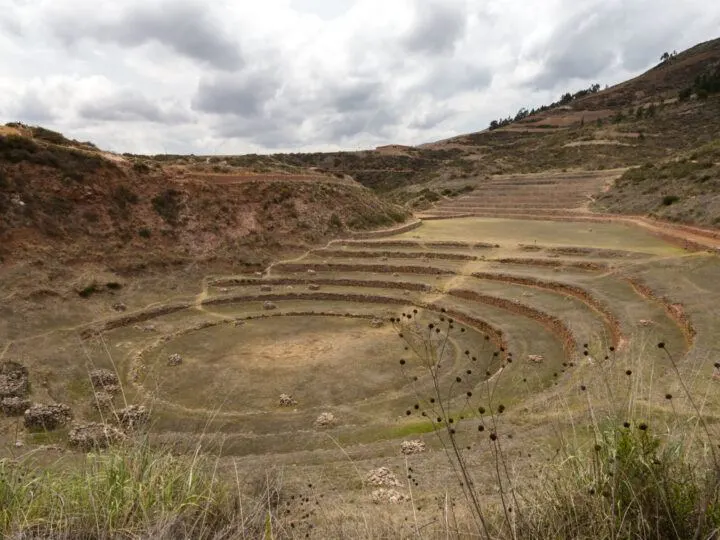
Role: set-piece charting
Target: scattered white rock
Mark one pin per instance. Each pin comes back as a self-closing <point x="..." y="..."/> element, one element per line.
<point x="325" y="419"/>
<point x="238" y="322"/>
<point x="314" y="287"/>
<point x="412" y="447"/>
<point x="258" y="274"/>
<point x="377" y="323"/>
<point x="645" y="322"/>
<point x="268" y="306"/>
<point x="382" y="477"/>
<point x="174" y="360"/>
<point x="395" y="274"/>
<point x="385" y="496"/>
<point x="537" y="358"/>
<point x="311" y="272"/>
<point x="286" y="400"/>
<point x="119" y="307"/>
<point x="265" y="288"/>
<point x="145" y="327"/>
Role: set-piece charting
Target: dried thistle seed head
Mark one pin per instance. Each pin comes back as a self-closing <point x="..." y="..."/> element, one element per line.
<point x="661" y="345"/>
<point x="643" y="426"/>
<point x="668" y="396"/>
<point x="501" y="409"/>
<point x="628" y="372"/>
<point x="481" y="428"/>
<point x="493" y="437"/>
<point x="626" y="424"/>
<point x="481" y="410"/>
<point x="402" y="362"/>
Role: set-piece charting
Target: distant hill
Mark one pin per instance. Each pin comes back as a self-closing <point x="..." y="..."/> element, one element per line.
<point x="671" y="110"/>
<point x="72" y="201"/>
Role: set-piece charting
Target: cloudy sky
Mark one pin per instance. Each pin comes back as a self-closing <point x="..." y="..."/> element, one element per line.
<point x="236" y="76"/>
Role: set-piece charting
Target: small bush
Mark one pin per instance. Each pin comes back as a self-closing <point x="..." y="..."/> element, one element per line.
<point x="667" y="200"/>
<point x="335" y="221"/>
<point x="123" y="196"/>
<point x="141" y="168"/>
<point x="88" y="291"/>
<point x="167" y="205"/>
<point x="144" y="233"/>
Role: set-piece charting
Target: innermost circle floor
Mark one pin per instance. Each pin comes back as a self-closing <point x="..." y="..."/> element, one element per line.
<point x="319" y="360"/>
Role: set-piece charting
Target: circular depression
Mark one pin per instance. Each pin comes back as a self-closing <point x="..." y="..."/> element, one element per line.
<point x="321" y="360"/>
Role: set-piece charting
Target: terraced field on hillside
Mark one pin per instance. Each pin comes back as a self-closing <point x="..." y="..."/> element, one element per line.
<point x="522" y="313"/>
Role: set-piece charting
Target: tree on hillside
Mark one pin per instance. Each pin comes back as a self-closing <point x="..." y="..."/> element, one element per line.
<point x="665" y="57"/>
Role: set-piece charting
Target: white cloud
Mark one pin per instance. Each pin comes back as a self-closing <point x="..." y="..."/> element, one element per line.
<point x="227" y="76"/>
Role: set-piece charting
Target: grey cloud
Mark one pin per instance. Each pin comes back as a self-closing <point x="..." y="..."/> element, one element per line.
<point x="127" y="106"/>
<point x="243" y="94"/>
<point x="185" y="27"/>
<point x="355" y="96"/>
<point x="447" y="79"/>
<point x="607" y="35"/>
<point x="31" y="108"/>
<point x="376" y="122"/>
<point x="431" y="119"/>
<point x="437" y="27"/>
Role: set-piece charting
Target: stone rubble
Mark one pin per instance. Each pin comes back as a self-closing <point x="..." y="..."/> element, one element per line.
<point x="14" y="406"/>
<point x="286" y="400"/>
<point x="40" y="417"/>
<point x="382" y="477"/>
<point x="412" y="447"/>
<point x="377" y="323"/>
<point x="133" y="417"/>
<point x="104" y="379"/>
<point x="174" y="360"/>
<point x="385" y="496"/>
<point x="94" y="436"/>
<point x="325" y="419"/>
<point x="14" y="380"/>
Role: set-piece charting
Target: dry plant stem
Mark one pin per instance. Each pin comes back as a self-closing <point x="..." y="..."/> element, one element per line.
<point x="430" y="361"/>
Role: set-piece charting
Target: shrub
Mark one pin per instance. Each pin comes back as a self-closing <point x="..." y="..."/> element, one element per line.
<point x="335" y="221"/>
<point x="140" y="167"/>
<point x="123" y="196"/>
<point x="667" y="200"/>
<point x="144" y="233"/>
<point x="88" y="291"/>
<point x="167" y="205"/>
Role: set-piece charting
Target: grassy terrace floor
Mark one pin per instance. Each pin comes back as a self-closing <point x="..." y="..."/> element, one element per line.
<point x="318" y="328"/>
